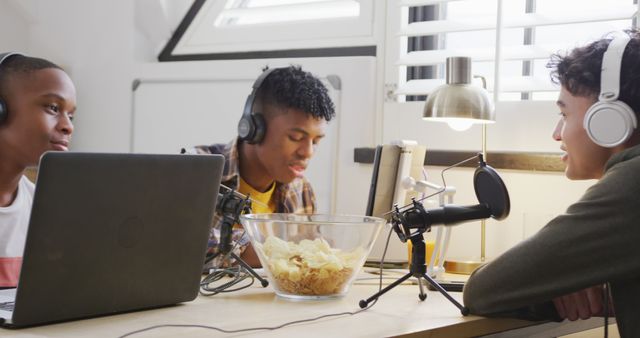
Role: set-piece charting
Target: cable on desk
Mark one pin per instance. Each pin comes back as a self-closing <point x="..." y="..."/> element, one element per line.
<point x="238" y="274"/>
<point x="271" y="328"/>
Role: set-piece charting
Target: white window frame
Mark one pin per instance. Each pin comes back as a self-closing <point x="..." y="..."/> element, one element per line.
<point x="203" y="37"/>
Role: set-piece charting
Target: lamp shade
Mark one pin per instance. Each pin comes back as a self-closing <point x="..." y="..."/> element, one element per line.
<point x="459" y="101"/>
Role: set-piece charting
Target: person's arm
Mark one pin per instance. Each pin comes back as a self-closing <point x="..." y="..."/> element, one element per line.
<point x="591" y="244"/>
<point x="583" y="304"/>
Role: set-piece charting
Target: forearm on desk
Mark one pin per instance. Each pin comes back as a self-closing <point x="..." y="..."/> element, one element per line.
<point x="589" y="245"/>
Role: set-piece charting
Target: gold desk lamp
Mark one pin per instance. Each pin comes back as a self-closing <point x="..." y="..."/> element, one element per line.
<point x="461" y="104"/>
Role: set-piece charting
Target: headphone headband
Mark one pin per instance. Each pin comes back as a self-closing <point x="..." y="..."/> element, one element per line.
<point x="611" y="122"/>
<point x="5" y="56"/>
<point x="248" y="107"/>
<point x="611" y="68"/>
<point x="3" y="106"/>
<point x="252" y="126"/>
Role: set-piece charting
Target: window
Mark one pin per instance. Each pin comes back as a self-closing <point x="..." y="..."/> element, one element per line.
<point x="253" y="12"/>
<point x="528" y="31"/>
<point x="271" y="28"/>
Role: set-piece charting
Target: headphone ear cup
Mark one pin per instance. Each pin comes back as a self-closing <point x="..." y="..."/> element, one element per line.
<point x="260" y="128"/>
<point x="246" y="128"/>
<point x="609" y="124"/>
<point x="3" y="112"/>
<point x="252" y="126"/>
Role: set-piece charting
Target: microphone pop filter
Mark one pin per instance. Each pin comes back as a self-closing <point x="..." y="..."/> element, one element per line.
<point x="491" y="191"/>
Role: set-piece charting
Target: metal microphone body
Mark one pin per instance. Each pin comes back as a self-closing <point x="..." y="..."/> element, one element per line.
<point x="230" y="206"/>
<point x="447" y="215"/>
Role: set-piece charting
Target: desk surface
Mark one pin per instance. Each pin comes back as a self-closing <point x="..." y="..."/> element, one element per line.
<point x="397" y="313"/>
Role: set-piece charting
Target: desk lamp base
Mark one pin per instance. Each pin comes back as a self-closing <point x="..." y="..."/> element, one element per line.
<point x="462" y="267"/>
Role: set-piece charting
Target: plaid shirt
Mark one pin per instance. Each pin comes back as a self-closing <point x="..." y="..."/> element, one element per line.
<point x="294" y="197"/>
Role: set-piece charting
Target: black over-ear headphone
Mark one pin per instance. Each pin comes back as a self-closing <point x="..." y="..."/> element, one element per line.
<point x="3" y="106"/>
<point x="610" y="122"/>
<point x="252" y="125"/>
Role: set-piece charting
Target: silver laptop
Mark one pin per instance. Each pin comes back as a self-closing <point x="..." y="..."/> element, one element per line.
<point x="111" y="233"/>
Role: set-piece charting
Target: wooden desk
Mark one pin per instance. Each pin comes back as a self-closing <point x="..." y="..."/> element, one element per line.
<point x="397" y="313"/>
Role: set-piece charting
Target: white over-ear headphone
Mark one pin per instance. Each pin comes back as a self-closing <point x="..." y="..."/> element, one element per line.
<point x="610" y="122"/>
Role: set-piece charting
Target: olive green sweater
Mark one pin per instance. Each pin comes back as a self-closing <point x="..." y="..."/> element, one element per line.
<point x="596" y="241"/>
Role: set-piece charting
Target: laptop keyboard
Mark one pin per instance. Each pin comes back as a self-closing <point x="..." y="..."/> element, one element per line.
<point x="7" y="306"/>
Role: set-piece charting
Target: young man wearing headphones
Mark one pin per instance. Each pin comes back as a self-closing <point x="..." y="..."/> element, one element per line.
<point x="37" y="103"/>
<point x="567" y="268"/>
<point x="283" y="121"/>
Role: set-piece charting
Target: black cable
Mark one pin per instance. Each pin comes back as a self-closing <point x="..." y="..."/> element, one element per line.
<point x="444" y="187"/>
<point x="238" y="272"/>
<point x="384" y="253"/>
<point x="265" y="328"/>
<point x="272" y="328"/>
<point x="230" y="204"/>
<point x="606" y="310"/>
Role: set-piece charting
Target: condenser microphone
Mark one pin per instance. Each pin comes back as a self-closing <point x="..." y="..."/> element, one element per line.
<point x="493" y="199"/>
<point x="230" y="205"/>
<point x="446" y="215"/>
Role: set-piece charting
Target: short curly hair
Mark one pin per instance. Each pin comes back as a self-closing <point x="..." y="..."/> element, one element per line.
<point x="292" y="87"/>
<point x="21" y="64"/>
<point x="579" y="71"/>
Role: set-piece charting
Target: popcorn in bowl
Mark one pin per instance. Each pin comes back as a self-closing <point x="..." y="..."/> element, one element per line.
<point x="311" y="256"/>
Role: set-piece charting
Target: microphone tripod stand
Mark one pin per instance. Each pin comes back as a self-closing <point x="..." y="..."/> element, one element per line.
<point x="414" y="218"/>
<point x="418" y="269"/>
<point x="232" y="206"/>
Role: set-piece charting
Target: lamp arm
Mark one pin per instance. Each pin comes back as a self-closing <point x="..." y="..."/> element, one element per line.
<point x="411" y="184"/>
<point x="483" y="79"/>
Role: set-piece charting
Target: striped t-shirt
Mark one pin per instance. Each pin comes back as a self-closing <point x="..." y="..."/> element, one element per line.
<point x="14" y="221"/>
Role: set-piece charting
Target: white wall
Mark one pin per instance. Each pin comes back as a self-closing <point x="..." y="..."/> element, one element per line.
<point x="14" y="26"/>
<point x="105" y="49"/>
<point x="93" y="41"/>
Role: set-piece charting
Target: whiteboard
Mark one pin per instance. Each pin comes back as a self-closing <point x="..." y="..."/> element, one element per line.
<point x="170" y="114"/>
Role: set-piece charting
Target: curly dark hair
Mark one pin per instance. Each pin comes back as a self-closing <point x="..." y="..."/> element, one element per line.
<point x="579" y="71"/>
<point x="291" y="87"/>
<point x="21" y="64"/>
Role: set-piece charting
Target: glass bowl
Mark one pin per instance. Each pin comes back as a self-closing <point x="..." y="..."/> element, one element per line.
<point x="311" y="256"/>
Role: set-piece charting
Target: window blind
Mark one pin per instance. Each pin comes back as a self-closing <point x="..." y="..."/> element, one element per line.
<point x="528" y="33"/>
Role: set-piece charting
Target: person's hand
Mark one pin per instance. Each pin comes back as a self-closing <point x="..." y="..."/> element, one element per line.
<point x="582" y="304"/>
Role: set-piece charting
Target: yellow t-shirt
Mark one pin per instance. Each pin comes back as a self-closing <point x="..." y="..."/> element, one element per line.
<point x="262" y="201"/>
